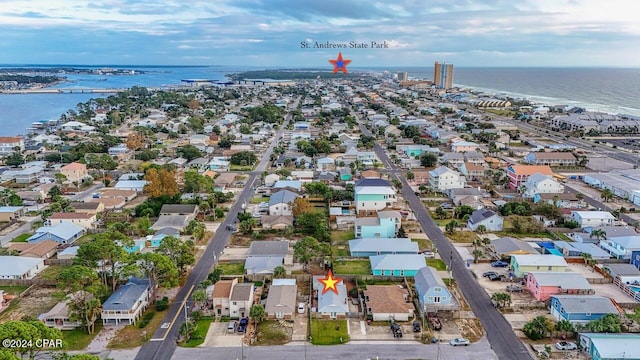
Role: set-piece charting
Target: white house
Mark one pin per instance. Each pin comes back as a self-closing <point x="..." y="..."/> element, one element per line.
<point x="20" y="267"/>
<point x="486" y="217"/>
<point x="126" y="305"/>
<point x="374" y="194"/>
<point x="281" y="202"/>
<point x="592" y="218"/>
<point x="541" y="184"/>
<point x="241" y="300"/>
<point x="442" y="179"/>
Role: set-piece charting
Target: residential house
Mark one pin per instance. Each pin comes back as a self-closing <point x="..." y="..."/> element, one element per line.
<point x="464" y="146"/>
<point x="59" y="317"/>
<point x="540" y="184"/>
<point x="262" y="264"/>
<point x="121" y="152"/>
<point x="109" y="203"/>
<point x="621" y="247"/>
<point x="396" y="264"/>
<point x="388" y="303"/>
<point x="551" y="158"/>
<point x="454" y="160"/>
<point x="11" y="213"/>
<point x="9" y="144"/>
<point x="109" y="193"/>
<point x="270" y="249"/>
<point x="372" y="194"/>
<point x="488" y="218"/>
<point x="43" y="249"/>
<point x="88" y="207"/>
<point x="592" y="218"/>
<point x="276" y="222"/>
<point x="293" y="184"/>
<point x="69" y="253"/>
<point x="581" y="309"/>
<point x="19" y="267"/>
<point x="518" y="174"/>
<point x="475" y="158"/>
<point x="442" y="179"/>
<point x="281" y="203"/>
<point x="63" y="233"/>
<point x="330" y="304"/>
<point x="522" y="264"/>
<point x="561" y="200"/>
<point x="507" y="246"/>
<point x="189" y="210"/>
<point x="543" y="285"/>
<point x="271" y="179"/>
<point x="220" y="297"/>
<point x="281" y="300"/>
<point x="432" y="292"/>
<point x="86" y="220"/>
<point x="325" y="164"/>
<point x="627" y="273"/>
<point x="366" y="247"/>
<point x="472" y="172"/>
<point x="241" y="300"/>
<point x="127" y="303"/>
<point x="576" y="249"/>
<point x="606" y="346"/>
<point x="219" y="163"/>
<point x="385" y="225"/>
<point x="304" y="176"/>
<point x="224" y="180"/>
<point x="74" y="172"/>
<point x="134" y="185"/>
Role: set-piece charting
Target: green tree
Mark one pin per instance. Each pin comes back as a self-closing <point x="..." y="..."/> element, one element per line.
<point x="257" y="314"/>
<point x="564" y="326"/>
<point x="85" y="289"/>
<point x="189" y="152"/>
<point x="428" y="159"/>
<point x="199" y="297"/>
<point x="609" y="323"/>
<point x="537" y="328"/>
<point x="502" y="299"/>
<point x="158" y="268"/>
<point x="104" y="253"/>
<point x="214" y="276"/>
<point x="598" y="234"/>
<point x="451" y="226"/>
<point x="309" y="248"/>
<point x="476" y="255"/>
<point x="247" y="226"/>
<point x="30" y="333"/>
<point x="243" y="158"/>
<point x="606" y="195"/>
<point x="441" y="213"/>
<point x="481" y="229"/>
<point x="279" y="272"/>
<point x="14" y="159"/>
<point x="180" y="252"/>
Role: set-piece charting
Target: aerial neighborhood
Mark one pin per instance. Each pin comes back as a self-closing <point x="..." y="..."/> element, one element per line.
<point x="325" y="212"/>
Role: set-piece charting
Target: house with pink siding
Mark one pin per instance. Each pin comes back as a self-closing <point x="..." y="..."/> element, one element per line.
<point x="543" y="285"/>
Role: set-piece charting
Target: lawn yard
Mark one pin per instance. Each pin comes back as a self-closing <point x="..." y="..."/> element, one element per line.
<point x="270" y="332"/>
<point x="329" y="332"/>
<point x="21" y="238"/>
<point x="240" y="168"/>
<point x="340" y="251"/>
<point x="78" y="339"/>
<point x="424" y="243"/>
<point x="231" y="268"/>
<point x="466" y="237"/>
<point x="258" y="200"/>
<point x="198" y="336"/>
<point x="342" y="236"/>
<point x="352" y="267"/>
<point x="437" y="264"/>
<point x="51" y="272"/>
<point x="13" y="290"/>
<point x="132" y="336"/>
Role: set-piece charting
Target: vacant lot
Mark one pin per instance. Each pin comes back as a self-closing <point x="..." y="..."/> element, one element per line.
<point x="271" y="332"/>
<point x="353" y="267"/>
<point x="78" y="339"/>
<point x="133" y="336"/>
<point x="329" y="332"/>
<point x="231" y="268"/>
<point x="40" y="300"/>
<point x="466" y="237"/>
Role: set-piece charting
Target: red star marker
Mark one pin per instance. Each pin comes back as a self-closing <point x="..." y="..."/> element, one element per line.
<point x="340" y="64"/>
<point x="330" y="283"/>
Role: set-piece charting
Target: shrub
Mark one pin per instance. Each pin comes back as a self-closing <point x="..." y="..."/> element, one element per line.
<point x="163" y="304"/>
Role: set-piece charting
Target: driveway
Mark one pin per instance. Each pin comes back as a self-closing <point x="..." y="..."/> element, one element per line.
<point x="218" y="336"/>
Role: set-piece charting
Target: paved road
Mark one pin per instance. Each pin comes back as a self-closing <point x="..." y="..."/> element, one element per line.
<point x="163" y="343"/>
<point x="499" y="332"/>
<point x="353" y="350"/>
<point x="600" y="205"/>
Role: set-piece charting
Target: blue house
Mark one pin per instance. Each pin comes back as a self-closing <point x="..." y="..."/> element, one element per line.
<point x="602" y="346"/>
<point x="386" y="225"/>
<point x="581" y="309"/>
<point x="635" y="258"/>
<point x="397" y="264"/>
<point x="432" y="291"/>
<point x="127" y="304"/>
<point x="373" y="194"/>
<point x="366" y="247"/>
<point x="63" y="233"/>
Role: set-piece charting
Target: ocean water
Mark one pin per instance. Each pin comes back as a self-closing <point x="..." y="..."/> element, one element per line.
<point x="615" y="91"/>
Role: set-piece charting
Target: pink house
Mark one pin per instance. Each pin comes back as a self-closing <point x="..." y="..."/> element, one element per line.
<point x="542" y="285"/>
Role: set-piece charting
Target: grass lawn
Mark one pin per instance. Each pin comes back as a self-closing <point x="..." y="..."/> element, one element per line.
<point x="352" y="267"/>
<point x="231" y="268"/>
<point x="13" y="290"/>
<point x="342" y="236"/>
<point x="424" y="243"/>
<point x="132" y="336"/>
<point x="240" y="168"/>
<point x="200" y="334"/>
<point x="329" y="332"/>
<point x="78" y="339"/>
<point x="271" y="333"/>
<point x="51" y="272"/>
<point x="437" y="264"/>
<point x="258" y="200"/>
<point x="562" y="236"/>
<point x="463" y="237"/>
<point x="21" y="238"/>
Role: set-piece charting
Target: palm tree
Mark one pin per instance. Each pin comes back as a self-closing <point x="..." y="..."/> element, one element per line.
<point x="476" y="255"/>
<point x="279" y="272"/>
<point x="481" y="229"/>
<point x="450" y="228"/>
<point x="257" y="314"/>
<point x="606" y="195"/>
<point x="502" y="299"/>
<point x="565" y="327"/>
<point x="598" y="234"/>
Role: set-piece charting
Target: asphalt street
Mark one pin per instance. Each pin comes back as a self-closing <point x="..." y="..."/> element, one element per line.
<point x="503" y="340"/>
<point x="164" y="340"/>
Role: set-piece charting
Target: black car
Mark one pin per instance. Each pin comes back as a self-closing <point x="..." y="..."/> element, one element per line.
<point x="494" y="277"/>
<point x="416" y="326"/>
<point x="242" y="326"/>
<point x="489" y="273"/>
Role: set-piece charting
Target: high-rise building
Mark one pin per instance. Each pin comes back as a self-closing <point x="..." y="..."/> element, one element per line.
<point x="443" y="75"/>
<point x="403" y="76"/>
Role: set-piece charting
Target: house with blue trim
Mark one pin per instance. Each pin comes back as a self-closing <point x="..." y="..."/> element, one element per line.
<point x="581" y="309"/>
<point x="374" y="194"/>
<point x="621" y="247"/>
<point x="385" y="225"/>
<point x="431" y="290"/>
<point x="366" y="247"/>
<point x="397" y="264"/>
<point x="62" y="233"/>
<point x="127" y="303"/>
<point x="604" y="346"/>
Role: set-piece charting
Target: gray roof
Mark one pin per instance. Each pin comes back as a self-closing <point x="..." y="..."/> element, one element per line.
<point x="268" y="248"/>
<point x="262" y="264"/>
<point x="507" y="244"/>
<point x="173" y="221"/>
<point x="64" y="230"/>
<point x="383" y="245"/>
<point x="539" y="260"/>
<point x="126" y="296"/>
<point x="11" y="266"/>
<point x="480" y="215"/>
<point x="465" y="192"/>
<point x="565" y="280"/>
<point x="282" y="197"/>
<point x="586" y="304"/>
<point x="281" y="299"/>
<point x="178" y="209"/>
<point x="85" y="205"/>
<point x="242" y="292"/>
<point x="373" y="182"/>
<point x="397" y="262"/>
<point x="623" y="269"/>
<point x="615" y="231"/>
<point x="428" y="277"/>
<point x="330" y="302"/>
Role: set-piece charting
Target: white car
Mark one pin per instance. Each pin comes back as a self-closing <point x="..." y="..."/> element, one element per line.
<point x="300" y="308"/>
<point x="566" y="345"/>
<point x="429" y="254"/>
<point x="459" y="342"/>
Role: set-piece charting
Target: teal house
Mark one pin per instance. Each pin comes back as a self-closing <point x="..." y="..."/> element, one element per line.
<point x="386" y="225"/>
<point x="397" y="264"/>
<point x="374" y="194"/>
<point x="602" y="346"/>
<point x="416" y="150"/>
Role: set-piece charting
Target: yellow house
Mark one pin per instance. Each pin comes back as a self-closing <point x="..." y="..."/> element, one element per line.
<point x="522" y="264"/>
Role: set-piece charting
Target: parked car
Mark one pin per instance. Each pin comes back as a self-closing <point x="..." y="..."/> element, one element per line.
<point x="459" y="342"/>
<point x="429" y="254"/>
<point x="489" y="273"/>
<point x="514" y="288"/>
<point x="242" y="325"/>
<point x="416" y="326"/>
<point x="499" y="263"/>
<point x="495" y="277"/>
<point x="566" y="345"/>
<point x="231" y="327"/>
<point x="300" y="308"/>
<point x="396" y="330"/>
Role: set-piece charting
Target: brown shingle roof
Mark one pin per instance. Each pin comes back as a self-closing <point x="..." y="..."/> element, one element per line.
<point x="74" y="215"/>
<point x="387" y="299"/>
<point x="38" y="249"/>
<point x="222" y="289"/>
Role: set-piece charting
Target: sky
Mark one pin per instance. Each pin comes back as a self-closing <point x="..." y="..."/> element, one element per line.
<point x="467" y="33"/>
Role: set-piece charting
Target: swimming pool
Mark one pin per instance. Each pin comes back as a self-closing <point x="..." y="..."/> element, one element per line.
<point x="634" y="288"/>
